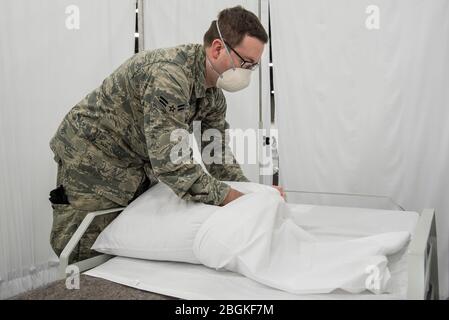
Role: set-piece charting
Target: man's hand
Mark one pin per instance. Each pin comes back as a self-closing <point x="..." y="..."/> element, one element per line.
<point x="232" y="195"/>
<point x="281" y="190"/>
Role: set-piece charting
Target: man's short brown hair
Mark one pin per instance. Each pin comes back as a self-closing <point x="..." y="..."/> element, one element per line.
<point x="235" y="23"/>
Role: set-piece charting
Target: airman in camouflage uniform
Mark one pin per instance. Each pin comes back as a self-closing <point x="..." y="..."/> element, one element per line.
<point x="115" y="143"/>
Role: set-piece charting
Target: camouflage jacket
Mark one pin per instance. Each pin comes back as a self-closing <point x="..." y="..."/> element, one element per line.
<point x="120" y="132"/>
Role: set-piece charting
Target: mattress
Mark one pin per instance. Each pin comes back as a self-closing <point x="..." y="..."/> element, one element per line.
<point x="191" y="281"/>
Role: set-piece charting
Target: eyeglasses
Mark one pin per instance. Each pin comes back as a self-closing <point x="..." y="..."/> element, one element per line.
<point x="245" y="64"/>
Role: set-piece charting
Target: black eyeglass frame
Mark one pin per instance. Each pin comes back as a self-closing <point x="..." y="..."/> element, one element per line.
<point x="251" y="65"/>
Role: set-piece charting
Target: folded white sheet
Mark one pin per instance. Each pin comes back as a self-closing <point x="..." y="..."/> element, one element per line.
<point x="255" y="236"/>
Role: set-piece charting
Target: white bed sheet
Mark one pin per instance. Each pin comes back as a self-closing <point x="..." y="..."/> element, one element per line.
<point x="189" y="281"/>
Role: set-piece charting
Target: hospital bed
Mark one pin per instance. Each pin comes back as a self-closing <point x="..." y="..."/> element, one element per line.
<point x="414" y="271"/>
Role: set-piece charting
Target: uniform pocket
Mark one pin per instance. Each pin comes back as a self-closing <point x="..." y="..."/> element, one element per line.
<point x="66" y="220"/>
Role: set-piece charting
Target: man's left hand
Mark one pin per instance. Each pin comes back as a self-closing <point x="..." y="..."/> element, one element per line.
<point x="281" y="190"/>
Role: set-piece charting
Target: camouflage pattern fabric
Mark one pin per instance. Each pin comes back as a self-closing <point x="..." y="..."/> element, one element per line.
<point x="68" y="217"/>
<point x="118" y="136"/>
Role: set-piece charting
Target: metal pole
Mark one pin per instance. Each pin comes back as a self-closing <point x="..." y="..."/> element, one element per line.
<point x="140" y="25"/>
<point x="260" y="144"/>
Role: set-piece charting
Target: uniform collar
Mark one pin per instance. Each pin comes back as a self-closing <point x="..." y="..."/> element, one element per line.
<point x="200" y="72"/>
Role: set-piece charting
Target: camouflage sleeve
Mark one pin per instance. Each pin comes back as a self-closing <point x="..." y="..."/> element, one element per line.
<point x="228" y="169"/>
<point x="165" y="101"/>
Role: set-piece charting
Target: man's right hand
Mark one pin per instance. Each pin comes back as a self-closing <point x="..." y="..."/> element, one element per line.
<point x="232" y="195"/>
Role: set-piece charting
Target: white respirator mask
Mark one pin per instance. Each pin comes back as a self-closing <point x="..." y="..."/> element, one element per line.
<point x="233" y="79"/>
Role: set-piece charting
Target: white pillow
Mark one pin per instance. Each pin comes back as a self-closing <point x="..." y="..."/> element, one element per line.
<point x="159" y="225"/>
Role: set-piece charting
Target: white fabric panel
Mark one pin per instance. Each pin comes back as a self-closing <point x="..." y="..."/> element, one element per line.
<point x="365" y="110"/>
<point x="45" y="68"/>
<point x="168" y="23"/>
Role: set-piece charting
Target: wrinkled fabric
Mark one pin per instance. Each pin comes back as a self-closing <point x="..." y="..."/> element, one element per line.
<point x="256" y="237"/>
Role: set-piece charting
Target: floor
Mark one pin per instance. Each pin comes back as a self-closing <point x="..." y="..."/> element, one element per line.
<point x="91" y="288"/>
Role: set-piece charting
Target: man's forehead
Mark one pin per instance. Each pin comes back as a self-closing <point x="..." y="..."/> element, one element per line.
<point x="251" y="48"/>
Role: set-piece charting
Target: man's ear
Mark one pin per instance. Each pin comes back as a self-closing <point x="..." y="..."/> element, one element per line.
<point x="216" y="48"/>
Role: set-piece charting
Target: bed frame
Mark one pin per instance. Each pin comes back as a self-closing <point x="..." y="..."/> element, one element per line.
<point x="422" y="256"/>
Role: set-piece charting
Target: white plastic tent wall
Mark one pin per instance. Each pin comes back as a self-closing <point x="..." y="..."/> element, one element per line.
<point x="52" y="53"/>
<point x="362" y="101"/>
